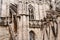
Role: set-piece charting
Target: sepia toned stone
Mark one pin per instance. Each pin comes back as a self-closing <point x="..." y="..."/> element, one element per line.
<point x="29" y="20"/>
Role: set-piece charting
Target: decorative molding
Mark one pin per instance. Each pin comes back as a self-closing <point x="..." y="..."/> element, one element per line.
<point x="34" y="23"/>
<point x="24" y="14"/>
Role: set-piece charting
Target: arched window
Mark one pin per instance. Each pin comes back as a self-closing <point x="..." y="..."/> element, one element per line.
<point x="31" y="12"/>
<point x="32" y="35"/>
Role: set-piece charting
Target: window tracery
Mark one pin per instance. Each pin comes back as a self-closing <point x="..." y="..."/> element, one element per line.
<point x="31" y="12"/>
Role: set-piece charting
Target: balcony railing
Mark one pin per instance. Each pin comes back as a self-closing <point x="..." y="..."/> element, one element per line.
<point x="34" y="23"/>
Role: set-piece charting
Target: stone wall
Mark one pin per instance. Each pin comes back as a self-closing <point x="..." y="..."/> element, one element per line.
<point x="4" y="33"/>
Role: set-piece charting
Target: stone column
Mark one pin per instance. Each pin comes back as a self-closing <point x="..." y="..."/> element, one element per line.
<point x="22" y="22"/>
<point x="4" y="7"/>
<point x="36" y="10"/>
<point x="25" y="23"/>
<point x="7" y="8"/>
<point x="19" y="27"/>
<point x="25" y="28"/>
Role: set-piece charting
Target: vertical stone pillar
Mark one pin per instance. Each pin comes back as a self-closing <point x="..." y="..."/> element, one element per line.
<point x="25" y="31"/>
<point x="22" y="22"/>
<point x="19" y="20"/>
<point x="37" y="11"/>
<point x="4" y="6"/>
<point x="7" y="7"/>
<point x="25" y="22"/>
<point x="19" y="31"/>
<point x="23" y="28"/>
<point x="20" y="5"/>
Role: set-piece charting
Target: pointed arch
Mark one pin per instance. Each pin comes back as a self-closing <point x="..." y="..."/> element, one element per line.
<point x="31" y="11"/>
<point x="32" y="35"/>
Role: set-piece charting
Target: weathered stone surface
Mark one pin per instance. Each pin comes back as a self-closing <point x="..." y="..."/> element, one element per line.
<point x="4" y="33"/>
<point x="42" y="31"/>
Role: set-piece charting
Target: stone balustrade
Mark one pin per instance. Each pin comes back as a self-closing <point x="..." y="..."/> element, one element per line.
<point x="34" y="23"/>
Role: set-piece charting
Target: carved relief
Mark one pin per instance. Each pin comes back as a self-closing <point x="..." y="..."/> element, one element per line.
<point x="34" y="24"/>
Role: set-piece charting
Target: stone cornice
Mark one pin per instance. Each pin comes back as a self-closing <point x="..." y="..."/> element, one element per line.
<point x="24" y="14"/>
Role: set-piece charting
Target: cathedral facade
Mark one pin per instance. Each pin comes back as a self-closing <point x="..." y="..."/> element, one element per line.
<point x="29" y="20"/>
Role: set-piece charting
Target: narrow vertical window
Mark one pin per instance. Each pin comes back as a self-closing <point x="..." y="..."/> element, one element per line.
<point x="31" y="12"/>
<point x="32" y="35"/>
